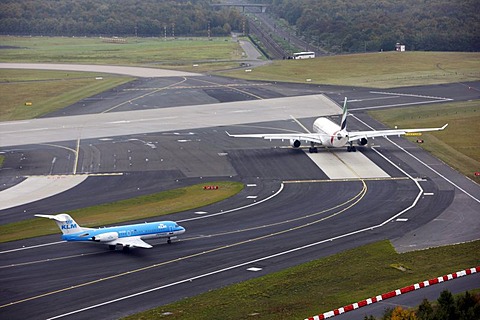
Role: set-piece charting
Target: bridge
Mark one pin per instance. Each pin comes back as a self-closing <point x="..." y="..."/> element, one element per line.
<point x="262" y="7"/>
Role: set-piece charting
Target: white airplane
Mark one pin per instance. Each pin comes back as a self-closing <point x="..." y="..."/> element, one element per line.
<point x="329" y="134"/>
<point x="128" y="236"/>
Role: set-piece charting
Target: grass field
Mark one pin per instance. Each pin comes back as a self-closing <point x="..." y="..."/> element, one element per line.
<point x="458" y="145"/>
<point x="378" y="70"/>
<point x="143" y="207"/>
<point x="321" y="285"/>
<point x="48" y="91"/>
<point x="180" y="53"/>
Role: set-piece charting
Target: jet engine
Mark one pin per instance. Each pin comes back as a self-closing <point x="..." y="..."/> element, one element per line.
<point x="295" y="143"/>
<point x="362" y="141"/>
<point x="105" y="237"/>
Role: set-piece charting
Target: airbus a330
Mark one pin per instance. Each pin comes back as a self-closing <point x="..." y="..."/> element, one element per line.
<point x="326" y="133"/>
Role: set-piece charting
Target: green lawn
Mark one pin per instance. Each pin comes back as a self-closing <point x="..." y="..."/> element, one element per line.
<point x="378" y="70"/>
<point x="321" y="285"/>
<point x="458" y="145"/>
<point x="179" y="53"/>
<point x="143" y="207"/>
<point x="48" y="91"/>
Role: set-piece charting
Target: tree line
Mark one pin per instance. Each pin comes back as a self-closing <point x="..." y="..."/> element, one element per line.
<point x="373" y="25"/>
<point x="447" y="307"/>
<point x="334" y="25"/>
<point x="147" y="18"/>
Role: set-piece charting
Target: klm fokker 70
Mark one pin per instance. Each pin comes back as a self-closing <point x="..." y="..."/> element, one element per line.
<point x="329" y="134"/>
<point x="128" y="236"/>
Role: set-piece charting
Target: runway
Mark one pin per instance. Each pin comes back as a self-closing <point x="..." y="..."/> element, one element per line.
<point x="347" y="165"/>
<point x="292" y="209"/>
<point x="49" y="130"/>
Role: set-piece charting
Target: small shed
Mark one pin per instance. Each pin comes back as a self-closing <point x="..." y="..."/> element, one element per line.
<point x="399" y="47"/>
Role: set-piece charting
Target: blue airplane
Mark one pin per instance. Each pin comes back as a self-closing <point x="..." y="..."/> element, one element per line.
<point x="129" y="236"/>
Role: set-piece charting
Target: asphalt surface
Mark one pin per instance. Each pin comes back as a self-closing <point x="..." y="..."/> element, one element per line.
<point x="285" y="216"/>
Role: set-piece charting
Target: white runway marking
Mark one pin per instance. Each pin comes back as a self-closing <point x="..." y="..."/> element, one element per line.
<point x="346" y="165"/>
<point x="36" y="188"/>
<point x="130" y="71"/>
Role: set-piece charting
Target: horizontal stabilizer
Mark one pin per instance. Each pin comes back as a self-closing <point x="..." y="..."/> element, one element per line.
<point x="58" y="217"/>
<point x="64" y="222"/>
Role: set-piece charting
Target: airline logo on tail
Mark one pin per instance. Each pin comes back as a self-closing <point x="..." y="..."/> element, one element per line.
<point x="343" y="124"/>
<point x="69" y="225"/>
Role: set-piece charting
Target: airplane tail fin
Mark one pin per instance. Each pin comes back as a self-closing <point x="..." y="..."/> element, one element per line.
<point x="66" y="223"/>
<point x="343" y="124"/>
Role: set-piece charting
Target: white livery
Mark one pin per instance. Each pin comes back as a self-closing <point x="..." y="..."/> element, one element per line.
<point x="329" y="134"/>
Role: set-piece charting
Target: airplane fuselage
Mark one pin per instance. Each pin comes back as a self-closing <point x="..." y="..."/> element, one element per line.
<point x="330" y="133"/>
<point x="151" y="230"/>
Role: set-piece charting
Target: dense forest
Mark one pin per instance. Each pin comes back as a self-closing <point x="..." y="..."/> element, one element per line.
<point x="116" y="18"/>
<point x="373" y="25"/>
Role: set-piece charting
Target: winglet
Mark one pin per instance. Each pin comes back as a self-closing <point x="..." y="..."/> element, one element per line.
<point x="444" y="126"/>
<point x="343" y="124"/>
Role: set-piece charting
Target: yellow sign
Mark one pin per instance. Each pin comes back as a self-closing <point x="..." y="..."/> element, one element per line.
<point x="413" y="134"/>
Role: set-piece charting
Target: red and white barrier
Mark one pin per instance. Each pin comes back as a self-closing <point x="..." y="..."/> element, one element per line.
<point x="394" y="293"/>
<point x="210" y="187"/>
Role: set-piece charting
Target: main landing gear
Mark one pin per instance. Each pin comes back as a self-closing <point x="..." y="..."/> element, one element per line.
<point x="169" y="239"/>
<point x="312" y="149"/>
<point x="351" y="148"/>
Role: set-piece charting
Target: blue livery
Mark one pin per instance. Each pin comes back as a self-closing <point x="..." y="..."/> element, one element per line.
<point x="128" y="236"/>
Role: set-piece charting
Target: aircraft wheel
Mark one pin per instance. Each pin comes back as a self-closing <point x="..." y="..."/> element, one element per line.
<point x="310" y="150"/>
<point x="354" y="149"/>
<point x="169" y="241"/>
<point x="315" y="150"/>
<point x="112" y="247"/>
<point x="126" y="249"/>
<point x="349" y="149"/>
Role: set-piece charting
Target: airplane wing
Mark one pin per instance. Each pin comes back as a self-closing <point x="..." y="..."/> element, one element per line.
<point x="306" y="137"/>
<point x="130" y="242"/>
<point x="355" y="135"/>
